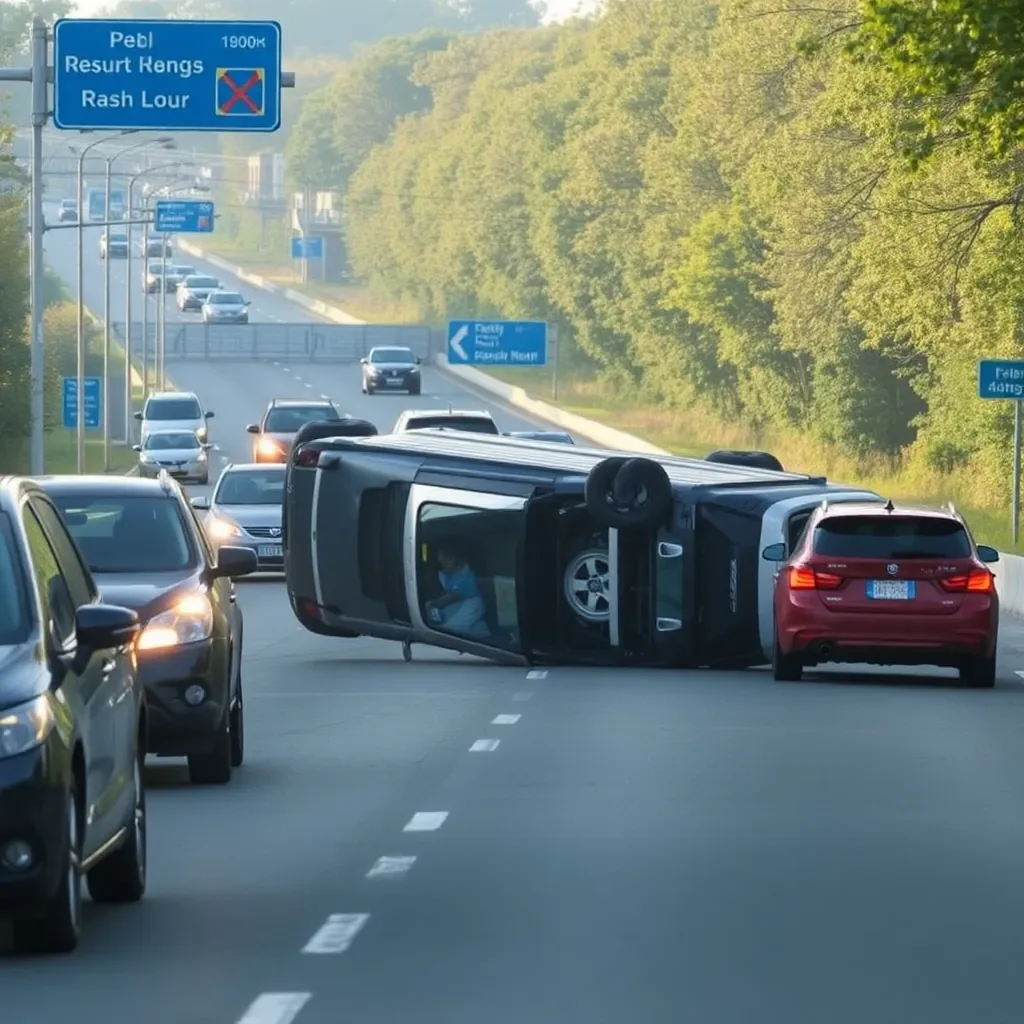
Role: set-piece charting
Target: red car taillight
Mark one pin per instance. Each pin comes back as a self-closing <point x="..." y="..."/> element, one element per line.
<point x="307" y="457"/>
<point x="977" y="581"/>
<point x="801" y="577"/>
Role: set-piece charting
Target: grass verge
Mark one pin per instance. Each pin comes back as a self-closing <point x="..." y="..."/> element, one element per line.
<point x="60" y="454"/>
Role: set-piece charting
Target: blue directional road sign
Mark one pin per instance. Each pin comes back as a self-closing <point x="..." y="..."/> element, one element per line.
<point x="178" y="217"/>
<point x="1001" y="378"/>
<point x="152" y="75"/>
<point x="309" y="247"/>
<point x="498" y="342"/>
<point x="92" y="402"/>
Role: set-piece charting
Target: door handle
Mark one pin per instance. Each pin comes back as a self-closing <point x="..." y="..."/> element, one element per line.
<point x="108" y="666"/>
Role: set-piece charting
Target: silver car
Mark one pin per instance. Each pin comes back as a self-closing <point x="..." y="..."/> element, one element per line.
<point x="174" y="410"/>
<point x="225" y="308"/>
<point x="192" y="292"/>
<point x="245" y="511"/>
<point x="180" y="452"/>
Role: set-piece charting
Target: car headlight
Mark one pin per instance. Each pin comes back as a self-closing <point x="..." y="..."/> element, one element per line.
<point x="145" y="457"/>
<point x="268" y="447"/>
<point x="201" y="433"/>
<point x="24" y="727"/>
<point x="222" y="529"/>
<point x="201" y="457"/>
<point x="188" y="622"/>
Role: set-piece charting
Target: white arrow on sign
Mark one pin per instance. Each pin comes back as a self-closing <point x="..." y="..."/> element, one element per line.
<point x="456" y="340"/>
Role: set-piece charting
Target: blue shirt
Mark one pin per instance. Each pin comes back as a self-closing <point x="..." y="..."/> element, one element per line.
<point x="460" y="581"/>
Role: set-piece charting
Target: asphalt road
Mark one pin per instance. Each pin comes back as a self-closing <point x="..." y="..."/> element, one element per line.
<point x="651" y="846"/>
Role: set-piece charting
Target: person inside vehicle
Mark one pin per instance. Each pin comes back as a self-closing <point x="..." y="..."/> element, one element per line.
<point x="460" y="609"/>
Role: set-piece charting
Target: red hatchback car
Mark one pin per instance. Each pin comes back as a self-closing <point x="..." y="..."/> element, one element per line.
<point x="886" y="586"/>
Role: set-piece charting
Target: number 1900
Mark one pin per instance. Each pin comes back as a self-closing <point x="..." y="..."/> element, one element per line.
<point x="244" y="42"/>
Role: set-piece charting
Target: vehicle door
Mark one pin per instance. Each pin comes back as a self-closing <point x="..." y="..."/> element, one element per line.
<point x="91" y="689"/>
<point x="124" y="689"/>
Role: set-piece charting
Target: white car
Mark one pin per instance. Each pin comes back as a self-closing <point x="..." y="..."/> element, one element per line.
<point x="179" y="452"/>
<point x="174" y="410"/>
<point x="225" y="308"/>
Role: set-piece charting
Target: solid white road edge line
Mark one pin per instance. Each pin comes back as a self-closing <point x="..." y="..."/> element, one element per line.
<point x="484" y="746"/>
<point x="537" y="673"/>
<point x="337" y="934"/>
<point x="426" y="821"/>
<point x="391" y="867"/>
<point x="505" y="719"/>
<point x="275" y="1008"/>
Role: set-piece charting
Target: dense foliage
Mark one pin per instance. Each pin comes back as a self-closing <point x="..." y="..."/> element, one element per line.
<point x="715" y="199"/>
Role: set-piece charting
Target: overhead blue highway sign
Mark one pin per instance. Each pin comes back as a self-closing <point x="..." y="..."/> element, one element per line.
<point x="154" y="75"/>
<point x="308" y="247"/>
<point x="1001" y="378"/>
<point x="175" y="216"/>
<point x="92" y="402"/>
<point x="498" y="342"/>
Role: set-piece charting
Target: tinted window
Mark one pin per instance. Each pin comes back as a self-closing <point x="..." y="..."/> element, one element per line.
<point x="183" y="269"/>
<point x="289" y="418"/>
<point x="75" y="575"/>
<point x="130" y="533"/>
<point x="201" y="282"/>
<point x="392" y="355"/>
<point x="171" y="442"/>
<point x="226" y="299"/>
<point x="251" y="487"/>
<point x="54" y="597"/>
<point x="14" y="619"/>
<point x="474" y="424"/>
<point x="891" y="537"/>
<point x="173" y="409"/>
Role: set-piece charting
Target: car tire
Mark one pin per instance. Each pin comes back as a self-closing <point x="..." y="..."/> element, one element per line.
<point x="204" y="479"/>
<point x="238" y="727"/>
<point x="414" y="391"/>
<point x="786" y="668"/>
<point x="60" y="926"/>
<point x="628" y="493"/>
<point x="121" y="877"/>
<point x="980" y="673"/>
<point x="214" y="768"/>
<point x="750" y="459"/>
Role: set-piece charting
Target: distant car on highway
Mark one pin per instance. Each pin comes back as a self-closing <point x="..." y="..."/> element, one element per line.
<point x="147" y="550"/>
<point x="158" y="275"/>
<point x="282" y="421"/>
<point x="174" y="410"/>
<point x="245" y="511"/>
<point x="114" y="245"/>
<point x="159" y="247"/>
<point x="179" y="452"/>
<point x="68" y="212"/>
<point x="179" y="271"/>
<point x="225" y="308"/>
<point x="72" y="732"/>
<point x="389" y="368"/>
<point x="551" y="436"/>
<point x="476" y="422"/>
<point x="194" y="289"/>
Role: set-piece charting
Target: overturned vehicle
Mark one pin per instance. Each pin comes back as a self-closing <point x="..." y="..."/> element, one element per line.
<point x="535" y="553"/>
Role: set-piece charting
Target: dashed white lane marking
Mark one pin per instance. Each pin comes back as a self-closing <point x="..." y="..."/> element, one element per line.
<point x="326" y="398"/>
<point x="484" y="746"/>
<point x="391" y="867"/>
<point x="426" y="821"/>
<point x="337" y="934"/>
<point x="522" y="697"/>
<point x="538" y="673"/>
<point x="309" y="385"/>
<point x="505" y="719"/>
<point x="276" y="363"/>
<point x="275" y="1008"/>
<point x="298" y="378"/>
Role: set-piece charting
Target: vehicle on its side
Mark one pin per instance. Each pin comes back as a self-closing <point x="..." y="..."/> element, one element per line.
<point x="225" y="308"/>
<point x="551" y="436"/>
<point x="68" y="212"/>
<point x="390" y="368"/>
<point x="178" y="452"/>
<point x="889" y="586"/>
<point x="473" y="421"/>
<point x="147" y="551"/>
<point x="245" y="511"/>
<point x="73" y="732"/>
<point x="575" y="555"/>
<point x="283" y="418"/>
<point x="114" y="245"/>
<point x="192" y="292"/>
<point x="174" y="410"/>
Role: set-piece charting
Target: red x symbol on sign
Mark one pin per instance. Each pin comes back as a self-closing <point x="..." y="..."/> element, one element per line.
<point x="240" y="93"/>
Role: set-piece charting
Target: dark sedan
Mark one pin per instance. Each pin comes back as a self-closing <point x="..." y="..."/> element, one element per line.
<point x="147" y="551"/>
<point x="72" y="732"/>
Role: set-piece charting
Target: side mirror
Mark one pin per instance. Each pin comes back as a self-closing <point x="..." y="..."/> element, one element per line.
<point x="253" y="428"/>
<point x="137" y="415"/>
<point x="987" y="554"/>
<point x="136" y="447"/>
<point x="209" y="415"/>
<point x="234" y="562"/>
<point x="418" y="361"/>
<point x="201" y="502"/>
<point x="774" y="553"/>
<point x="100" y="627"/>
<point x="248" y="303"/>
<point x="363" y="360"/>
<point x="207" y="447"/>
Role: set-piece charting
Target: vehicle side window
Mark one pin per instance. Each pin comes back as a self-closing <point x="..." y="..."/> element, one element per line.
<point x="54" y="596"/>
<point x="79" y="582"/>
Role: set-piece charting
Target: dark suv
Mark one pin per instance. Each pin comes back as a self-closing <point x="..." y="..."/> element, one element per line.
<point x="144" y="545"/>
<point x="391" y="369"/>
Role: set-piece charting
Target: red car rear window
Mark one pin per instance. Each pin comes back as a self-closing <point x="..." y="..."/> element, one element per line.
<point x="891" y="537"/>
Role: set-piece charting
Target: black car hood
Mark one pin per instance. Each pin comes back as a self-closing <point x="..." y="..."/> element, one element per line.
<point x="147" y="593"/>
<point x="23" y="674"/>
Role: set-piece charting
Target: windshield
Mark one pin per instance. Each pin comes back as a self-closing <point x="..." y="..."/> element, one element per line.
<point x="392" y="355"/>
<point x="171" y="442"/>
<point x="14" y="623"/>
<point x="173" y="409"/>
<point x="473" y="424"/>
<point x="201" y="282"/>
<point x="891" y="537"/>
<point x="288" y="419"/>
<point x="251" y="487"/>
<point x="68" y="204"/>
<point x="226" y="299"/>
<point x="128" y="533"/>
<point x="118" y="236"/>
<point x="182" y="270"/>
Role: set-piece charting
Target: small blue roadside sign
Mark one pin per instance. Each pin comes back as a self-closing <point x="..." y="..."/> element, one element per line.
<point x="308" y="247"/>
<point x="92" y="402"/>
<point x="498" y="342"/>
<point x="177" y="217"/>
<point x="153" y="75"/>
<point x="1001" y="378"/>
